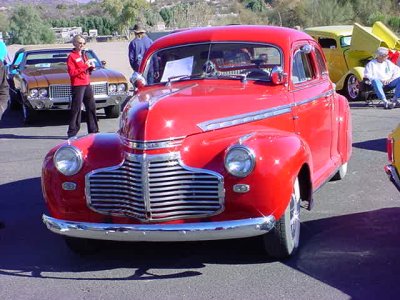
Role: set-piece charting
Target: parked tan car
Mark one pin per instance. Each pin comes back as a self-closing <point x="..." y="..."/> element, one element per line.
<point x="39" y="81"/>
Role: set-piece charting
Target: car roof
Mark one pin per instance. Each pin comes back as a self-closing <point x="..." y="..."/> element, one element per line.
<point x="280" y="36"/>
<point x="334" y="30"/>
<point x="44" y="48"/>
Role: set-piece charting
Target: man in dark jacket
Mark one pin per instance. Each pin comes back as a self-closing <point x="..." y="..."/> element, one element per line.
<point x="3" y="89"/>
<point x="137" y="48"/>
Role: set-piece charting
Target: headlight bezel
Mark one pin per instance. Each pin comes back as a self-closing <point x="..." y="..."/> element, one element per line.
<point x="33" y="93"/>
<point x="121" y="87"/>
<point x="246" y="168"/>
<point x="43" y="93"/>
<point x="77" y="156"/>
<point x="38" y="93"/>
<point x="112" y="88"/>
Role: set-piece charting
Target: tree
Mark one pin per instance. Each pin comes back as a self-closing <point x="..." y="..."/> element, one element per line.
<point x="167" y="15"/>
<point x="185" y="15"/>
<point x="4" y="22"/>
<point x="256" y="5"/>
<point x="126" y="12"/>
<point x="325" y="12"/>
<point x="26" y="27"/>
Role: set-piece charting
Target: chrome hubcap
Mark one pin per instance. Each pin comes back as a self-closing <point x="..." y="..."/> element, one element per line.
<point x="295" y="212"/>
<point x="353" y="87"/>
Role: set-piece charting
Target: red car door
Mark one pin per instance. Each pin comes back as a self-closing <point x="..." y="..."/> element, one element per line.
<point x="312" y="110"/>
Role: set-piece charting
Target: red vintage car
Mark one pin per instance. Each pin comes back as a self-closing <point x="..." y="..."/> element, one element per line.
<point x="230" y="132"/>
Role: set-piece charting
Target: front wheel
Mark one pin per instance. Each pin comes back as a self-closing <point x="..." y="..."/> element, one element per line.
<point x="112" y="111"/>
<point x="15" y="102"/>
<point x="283" y="240"/>
<point x="352" y="88"/>
<point x="29" y="114"/>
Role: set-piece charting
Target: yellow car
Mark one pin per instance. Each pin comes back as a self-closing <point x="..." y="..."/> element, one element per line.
<point x="393" y="151"/>
<point x="348" y="48"/>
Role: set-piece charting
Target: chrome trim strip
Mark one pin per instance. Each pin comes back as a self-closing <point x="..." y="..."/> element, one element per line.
<point x="162" y="233"/>
<point x="257" y="115"/>
<point x="394" y="177"/>
<point x="244" y="118"/>
<point x="154" y="144"/>
<point x="308" y="100"/>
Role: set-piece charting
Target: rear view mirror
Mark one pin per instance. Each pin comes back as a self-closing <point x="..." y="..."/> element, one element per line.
<point x="137" y="80"/>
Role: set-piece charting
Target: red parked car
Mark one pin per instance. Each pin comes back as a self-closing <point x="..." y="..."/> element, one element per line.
<point x="230" y="132"/>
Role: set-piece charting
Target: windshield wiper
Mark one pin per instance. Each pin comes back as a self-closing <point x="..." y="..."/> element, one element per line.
<point x="184" y="77"/>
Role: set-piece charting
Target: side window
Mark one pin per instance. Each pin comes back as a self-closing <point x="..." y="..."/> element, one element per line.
<point x="327" y="43"/>
<point x="320" y="62"/>
<point x="302" y="67"/>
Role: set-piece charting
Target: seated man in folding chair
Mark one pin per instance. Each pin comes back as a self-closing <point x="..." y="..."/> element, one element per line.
<point x="384" y="75"/>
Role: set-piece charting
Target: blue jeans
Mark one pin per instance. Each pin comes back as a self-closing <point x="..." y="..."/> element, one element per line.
<point x="379" y="88"/>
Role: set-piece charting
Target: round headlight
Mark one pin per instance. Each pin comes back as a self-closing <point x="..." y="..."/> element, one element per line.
<point x="112" y="88"/>
<point x="239" y="161"/>
<point x="121" y="87"/>
<point x="43" y="93"/>
<point x="68" y="160"/>
<point x="33" y="93"/>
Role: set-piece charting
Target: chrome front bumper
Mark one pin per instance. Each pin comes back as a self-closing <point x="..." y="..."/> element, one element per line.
<point x="162" y="233"/>
<point x="65" y="103"/>
<point x="394" y="177"/>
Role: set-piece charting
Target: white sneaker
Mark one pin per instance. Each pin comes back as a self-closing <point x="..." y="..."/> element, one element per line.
<point x="395" y="102"/>
<point x="386" y="104"/>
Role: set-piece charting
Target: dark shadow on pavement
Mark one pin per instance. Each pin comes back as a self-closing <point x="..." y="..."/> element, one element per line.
<point x="13" y="119"/>
<point x="375" y="145"/>
<point x="357" y="254"/>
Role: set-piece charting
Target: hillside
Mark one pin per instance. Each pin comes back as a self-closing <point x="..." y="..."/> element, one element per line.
<point x="11" y="3"/>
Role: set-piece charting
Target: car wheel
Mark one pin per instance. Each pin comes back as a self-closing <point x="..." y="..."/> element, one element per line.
<point x="283" y="240"/>
<point x="352" y="88"/>
<point x="29" y="115"/>
<point x="82" y="246"/>
<point x="14" y="103"/>
<point x="112" y="111"/>
<point x="341" y="173"/>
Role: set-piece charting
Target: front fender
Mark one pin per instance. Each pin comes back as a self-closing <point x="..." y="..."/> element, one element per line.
<point x="98" y="150"/>
<point x="344" y="124"/>
<point x="279" y="158"/>
<point x="357" y="71"/>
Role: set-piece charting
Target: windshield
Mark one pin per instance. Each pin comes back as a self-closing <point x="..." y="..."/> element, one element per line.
<point x="53" y="58"/>
<point x="254" y="61"/>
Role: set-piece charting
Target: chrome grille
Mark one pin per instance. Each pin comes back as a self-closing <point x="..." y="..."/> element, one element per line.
<point x="155" y="188"/>
<point x="63" y="91"/>
<point x="100" y="89"/>
<point x="60" y="92"/>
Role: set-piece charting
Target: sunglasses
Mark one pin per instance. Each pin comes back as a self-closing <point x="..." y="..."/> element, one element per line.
<point x="81" y="43"/>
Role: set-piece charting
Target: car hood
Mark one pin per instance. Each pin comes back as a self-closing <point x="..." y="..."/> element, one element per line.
<point x="187" y="108"/>
<point x="368" y="39"/>
<point x="45" y="76"/>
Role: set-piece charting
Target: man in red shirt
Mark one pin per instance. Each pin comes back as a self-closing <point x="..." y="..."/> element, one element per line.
<point x="79" y="68"/>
